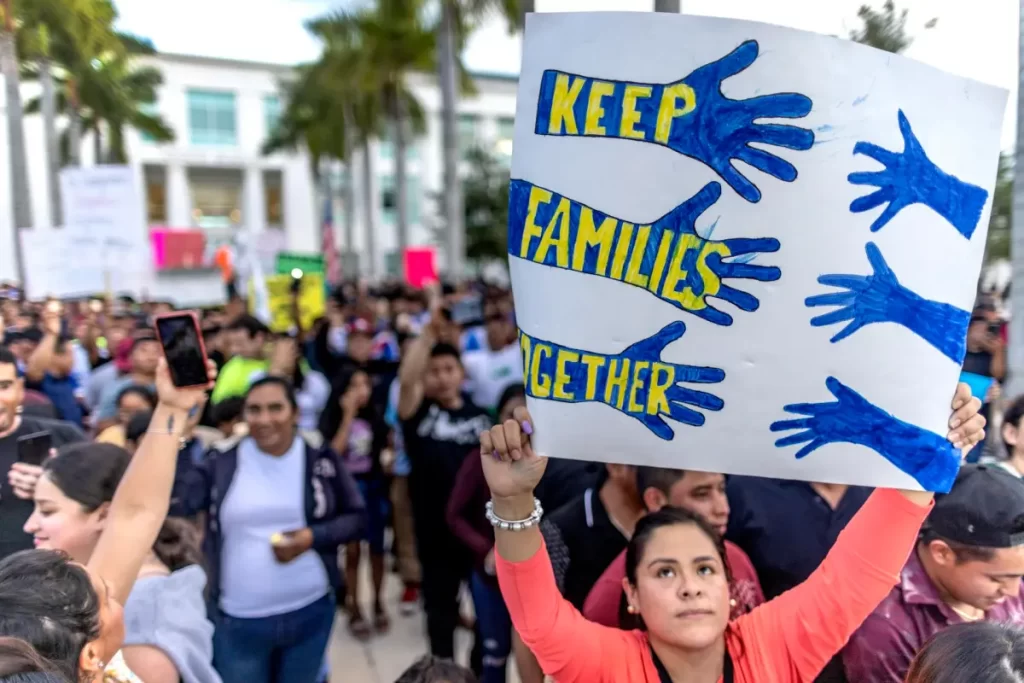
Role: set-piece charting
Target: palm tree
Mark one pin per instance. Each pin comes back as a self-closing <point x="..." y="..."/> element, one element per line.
<point x="456" y="18"/>
<point x="108" y="95"/>
<point x="1016" y="336"/>
<point x="310" y="118"/>
<point x="393" y="41"/>
<point x="21" y="200"/>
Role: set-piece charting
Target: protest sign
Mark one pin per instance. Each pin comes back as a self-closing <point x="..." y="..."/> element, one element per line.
<point x="312" y="301"/>
<point x="103" y="203"/>
<point x="287" y="261"/>
<point x="420" y="266"/>
<point x="743" y="248"/>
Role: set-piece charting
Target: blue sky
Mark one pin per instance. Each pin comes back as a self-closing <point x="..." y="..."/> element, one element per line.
<point x="976" y="39"/>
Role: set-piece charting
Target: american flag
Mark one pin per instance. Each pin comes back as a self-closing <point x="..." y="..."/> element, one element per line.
<point x="332" y="263"/>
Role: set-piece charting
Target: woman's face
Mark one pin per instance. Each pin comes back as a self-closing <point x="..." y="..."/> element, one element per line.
<point x="360" y="384"/>
<point x="60" y="523"/>
<point x="681" y="589"/>
<point x="271" y="418"/>
<point x="509" y="408"/>
<point x="97" y="653"/>
<point x="131" y="404"/>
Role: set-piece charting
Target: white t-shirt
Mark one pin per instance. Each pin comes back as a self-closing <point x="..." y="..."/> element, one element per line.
<point x="489" y="373"/>
<point x="267" y="496"/>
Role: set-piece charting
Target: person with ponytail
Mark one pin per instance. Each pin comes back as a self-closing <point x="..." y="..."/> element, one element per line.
<point x="71" y="612"/>
<point x="167" y="635"/>
<point x="677" y="582"/>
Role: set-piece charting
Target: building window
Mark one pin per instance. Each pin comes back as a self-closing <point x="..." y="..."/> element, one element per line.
<point x="216" y="197"/>
<point x="392" y="263"/>
<point x="211" y="117"/>
<point x="468" y="125"/>
<point x="271" y="112"/>
<point x="387" y="147"/>
<point x="506" y="131"/>
<point x="273" y="197"/>
<point x="156" y="194"/>
<point x="389" y="199"/>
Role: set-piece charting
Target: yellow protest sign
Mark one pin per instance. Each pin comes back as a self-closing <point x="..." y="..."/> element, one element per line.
<point x="312" y="301"/>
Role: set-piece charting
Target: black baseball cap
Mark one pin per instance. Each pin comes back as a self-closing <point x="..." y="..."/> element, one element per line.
<point x="985" y="509"/>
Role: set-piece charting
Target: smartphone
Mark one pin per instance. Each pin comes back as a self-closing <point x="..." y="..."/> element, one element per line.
<point x="33" y="449"/>
<point x="995" y="328"/>
<point x="182" y="341"/>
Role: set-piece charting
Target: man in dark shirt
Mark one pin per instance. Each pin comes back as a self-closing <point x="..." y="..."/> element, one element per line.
<point x="441" y="427"/>
<point x="14" y="511"/>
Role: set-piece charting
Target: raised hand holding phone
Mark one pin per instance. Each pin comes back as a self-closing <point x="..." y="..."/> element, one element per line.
<point x="182" y="342"/>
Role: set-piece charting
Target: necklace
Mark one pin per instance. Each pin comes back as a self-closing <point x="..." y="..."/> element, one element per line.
<point x="968" y="617"/>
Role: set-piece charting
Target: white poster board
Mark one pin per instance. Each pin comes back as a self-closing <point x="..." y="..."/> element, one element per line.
<point x="742" y="248"/>
<point x="105" y="202"/>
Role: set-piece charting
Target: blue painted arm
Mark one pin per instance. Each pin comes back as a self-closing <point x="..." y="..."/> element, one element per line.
<point x="927" y="457"/>
<point x="667" y="258"/>
<point x="880" y="298"/>
<point x="635" y="382"/>
<point x="690" y="116"/>
<point x="910" y="177"/>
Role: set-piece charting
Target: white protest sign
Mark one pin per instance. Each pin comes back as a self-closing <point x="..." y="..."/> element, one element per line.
<point x="63" y="263"/>
<point x="104" y="201"/>
<point x="743" y="248"/>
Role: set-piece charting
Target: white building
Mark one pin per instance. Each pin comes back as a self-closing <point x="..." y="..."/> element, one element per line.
<point x="213" y="177"/>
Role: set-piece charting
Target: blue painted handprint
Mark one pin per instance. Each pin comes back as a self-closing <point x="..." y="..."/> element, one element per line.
<point x="690" y="116"/>
<point x="667" y="258"/>
<point x="635" y="382"/>
<point x="910" y="177"/>
<point x="927" y="457"/>
<point x="880" y="298"/>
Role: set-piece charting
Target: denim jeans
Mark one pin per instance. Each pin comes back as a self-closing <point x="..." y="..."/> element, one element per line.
<point x="494" y="626"/>
<point x="284" y="648"/>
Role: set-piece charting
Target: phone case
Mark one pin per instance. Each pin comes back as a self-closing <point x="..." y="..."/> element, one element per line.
<point x="199" y="334"/>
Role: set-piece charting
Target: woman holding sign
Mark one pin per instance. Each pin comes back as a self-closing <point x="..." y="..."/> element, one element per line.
<point x="677" y="581"/>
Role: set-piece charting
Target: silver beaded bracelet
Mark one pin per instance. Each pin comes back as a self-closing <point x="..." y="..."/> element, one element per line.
<point x="509" y="525"/>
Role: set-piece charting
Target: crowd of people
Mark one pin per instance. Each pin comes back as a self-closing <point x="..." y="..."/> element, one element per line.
<point x="214" y="534"/>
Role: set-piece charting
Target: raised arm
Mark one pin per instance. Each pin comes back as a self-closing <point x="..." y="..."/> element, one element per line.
<point x="567" y="646"/>
<point x="814" y="620"/>
<point x="141" y="501"/>
<point x="46" y="354"/>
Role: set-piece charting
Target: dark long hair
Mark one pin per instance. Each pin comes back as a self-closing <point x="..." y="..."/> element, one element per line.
<point x="20" y="663"/>
<point x="330" y="418"/>
<point x="89" y="473"/>
<point x="645" y="528"/>
<point x="966" y="653"/>
<point x="50" y="603"/>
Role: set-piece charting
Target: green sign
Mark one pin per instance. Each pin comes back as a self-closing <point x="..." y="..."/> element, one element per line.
<point x="287" y="261"/>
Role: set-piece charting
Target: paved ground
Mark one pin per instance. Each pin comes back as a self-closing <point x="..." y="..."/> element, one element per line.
<point x="384" y="657"/>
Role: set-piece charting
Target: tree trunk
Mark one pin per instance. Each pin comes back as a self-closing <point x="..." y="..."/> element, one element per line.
<point x="49" y="107"/>
<point x="21" y="200"/>
<point x="401" y="180"/>
<point x="671" y="6"/>
<point x="1016" y="335"/>
<point x="97" y="145"/>
<point x="451" y="189"/>
<point x="368" y="206"/>
<point x="348" y="196"/>
<point x="74" y="126"/>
